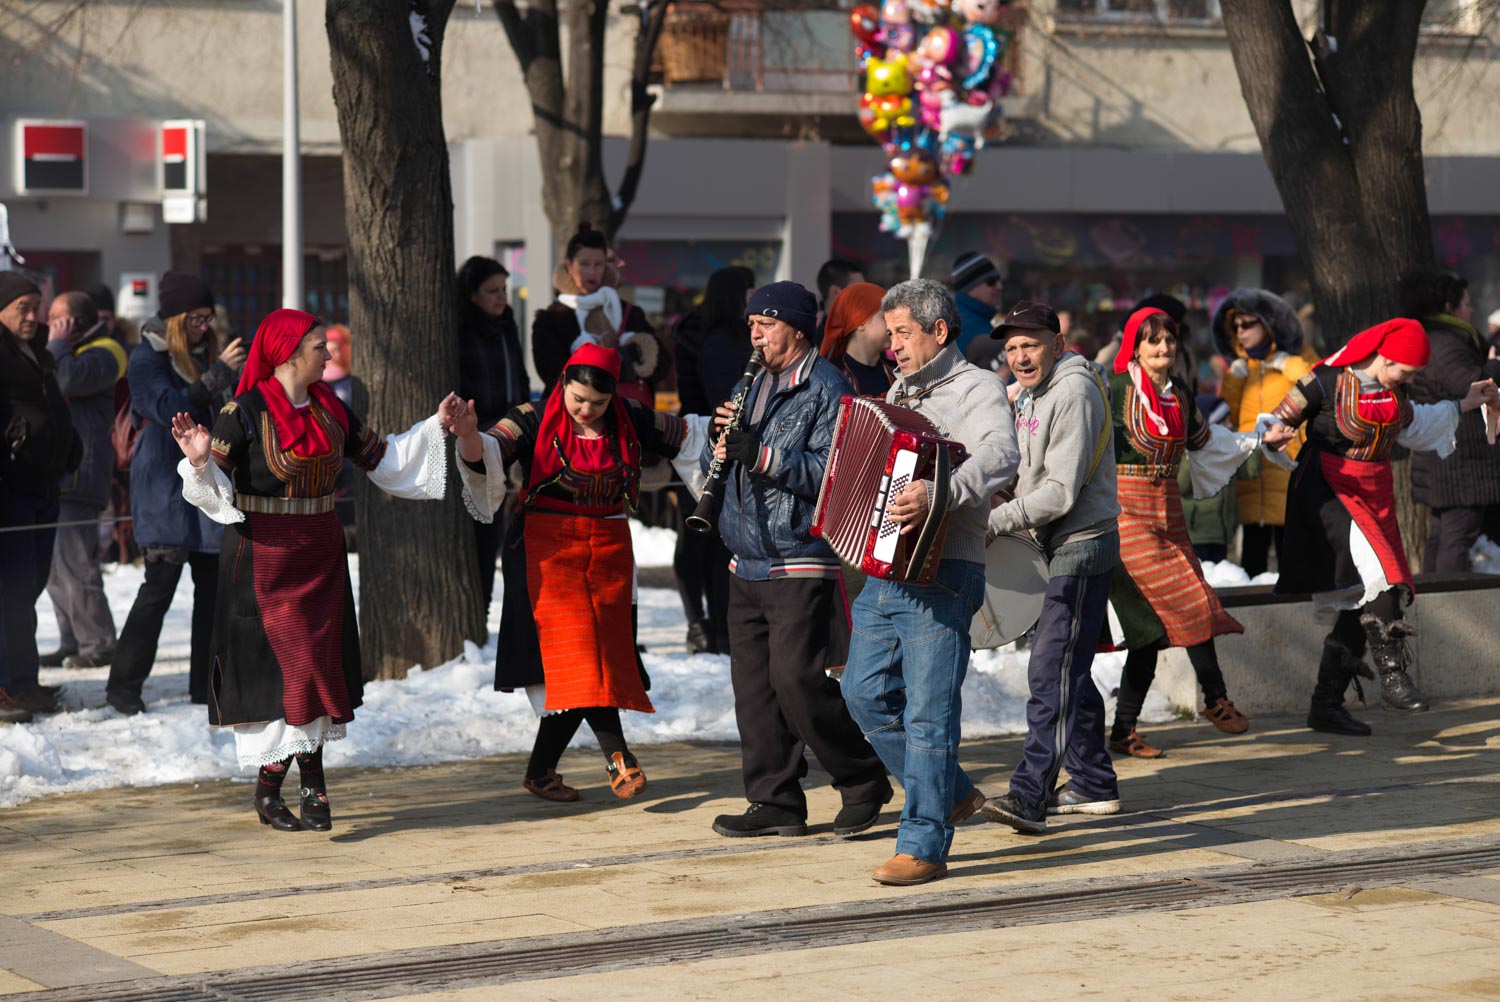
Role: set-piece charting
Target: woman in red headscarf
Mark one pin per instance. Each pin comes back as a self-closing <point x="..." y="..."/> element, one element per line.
<point x="286" y="668"/>
<point x="1159" y="594"/>
<point x="1341" y="512"/>
<point x="566" y="631"/>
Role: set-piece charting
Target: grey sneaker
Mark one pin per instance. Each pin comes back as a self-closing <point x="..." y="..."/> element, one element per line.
<point x="1066" y="800"/>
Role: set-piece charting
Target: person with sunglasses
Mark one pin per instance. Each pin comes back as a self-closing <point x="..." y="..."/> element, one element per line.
<point x="1258" y="335"/>
<point x="180" y="367"/>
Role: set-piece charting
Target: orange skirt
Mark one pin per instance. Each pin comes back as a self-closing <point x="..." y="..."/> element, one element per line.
<point x="1157" y="557"/>
<point x="579" y="573"/>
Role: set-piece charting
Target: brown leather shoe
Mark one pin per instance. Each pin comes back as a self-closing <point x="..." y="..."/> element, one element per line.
<point x="626" y="777"/>
<point x="551" y="788"/>
<point x="1225" y="717"/>
<point x="902" y="870"/>
<point x="1135" y="746"/>
<point x="966" y="808"/>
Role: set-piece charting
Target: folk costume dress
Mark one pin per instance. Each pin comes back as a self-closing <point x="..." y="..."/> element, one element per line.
<point x="566" y="633"/>
<point x="1341" y="515"/>
<point x="286" y="662"/>
<point x="1159" y="594"/>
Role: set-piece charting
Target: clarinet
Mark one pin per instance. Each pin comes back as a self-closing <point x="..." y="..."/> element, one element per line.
<point x="703" y="517"/>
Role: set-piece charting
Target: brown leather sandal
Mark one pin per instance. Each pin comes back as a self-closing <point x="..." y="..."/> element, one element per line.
<point x="1225" y="716"/>
<point x="552" y="788"/>
<point x="626" y="778"/>
<point x="1135" y="746"/>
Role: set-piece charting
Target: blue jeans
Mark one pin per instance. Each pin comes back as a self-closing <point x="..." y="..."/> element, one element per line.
<point x="907" y="661"/>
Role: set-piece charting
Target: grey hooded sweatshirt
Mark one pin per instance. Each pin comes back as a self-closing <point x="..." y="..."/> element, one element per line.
<point x="1075" y="516"/>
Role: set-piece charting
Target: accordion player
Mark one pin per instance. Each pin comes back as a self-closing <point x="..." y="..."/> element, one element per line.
<point x="878" y="449"/>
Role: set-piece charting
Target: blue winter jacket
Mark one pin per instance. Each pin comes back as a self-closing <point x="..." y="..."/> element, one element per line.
<point x="975" y="319"/>
<point x="767" y="517"/>
<point x="160" y="516"/>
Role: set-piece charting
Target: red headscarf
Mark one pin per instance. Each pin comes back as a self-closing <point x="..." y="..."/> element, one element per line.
<point x="851" y="308"/>
<point x="555" y="436"/>
<point x="1403" y="341"/>
<point x="276" y="340"/>
<point x="1125" y="362"/>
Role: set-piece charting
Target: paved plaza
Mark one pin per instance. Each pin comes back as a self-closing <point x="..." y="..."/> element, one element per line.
<point x="1282" y="863"/>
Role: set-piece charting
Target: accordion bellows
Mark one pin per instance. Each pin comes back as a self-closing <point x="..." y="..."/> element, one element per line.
<point x="878" y="449"/>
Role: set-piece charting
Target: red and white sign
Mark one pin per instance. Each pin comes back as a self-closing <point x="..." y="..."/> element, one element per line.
<point x="51" y="157"/>
<point x="182" y="171"/>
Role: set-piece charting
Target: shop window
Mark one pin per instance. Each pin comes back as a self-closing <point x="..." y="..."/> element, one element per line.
<point x="246" y="279"/>
<point x="1452" y="17"/>
<point x="1134" y="11"/>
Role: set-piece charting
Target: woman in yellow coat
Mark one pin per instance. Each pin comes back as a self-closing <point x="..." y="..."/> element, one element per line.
<point x="1261" y="338"/>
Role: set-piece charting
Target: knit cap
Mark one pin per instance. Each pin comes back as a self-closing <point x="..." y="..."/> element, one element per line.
<point x="970" y="269"/>
<point x="788" y="302"/>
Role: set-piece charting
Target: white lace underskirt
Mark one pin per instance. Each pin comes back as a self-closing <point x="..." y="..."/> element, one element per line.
<point x="276" y="740"/>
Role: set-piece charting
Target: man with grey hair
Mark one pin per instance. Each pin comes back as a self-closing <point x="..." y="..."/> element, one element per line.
<point x="910" y="648"/>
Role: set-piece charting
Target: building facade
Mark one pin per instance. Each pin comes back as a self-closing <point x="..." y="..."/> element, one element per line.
<point x="1133" y="165"/>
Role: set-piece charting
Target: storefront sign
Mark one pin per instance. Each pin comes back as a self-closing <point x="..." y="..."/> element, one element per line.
<point x="183" y="181"/>
<point x="51" y="157"/>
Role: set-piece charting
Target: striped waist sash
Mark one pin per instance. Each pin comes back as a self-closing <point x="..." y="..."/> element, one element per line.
<point x="283" y="506"/>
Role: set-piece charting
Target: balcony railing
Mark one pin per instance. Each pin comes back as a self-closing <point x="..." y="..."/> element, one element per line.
<point x="741" y="45"/>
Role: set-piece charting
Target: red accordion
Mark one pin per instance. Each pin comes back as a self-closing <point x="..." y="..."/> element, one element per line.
<point x="878" y="449"/>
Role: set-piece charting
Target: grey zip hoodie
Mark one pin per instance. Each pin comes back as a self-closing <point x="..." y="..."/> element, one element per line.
<point x="1058" y="427"/>
<point x="969" y="406"/>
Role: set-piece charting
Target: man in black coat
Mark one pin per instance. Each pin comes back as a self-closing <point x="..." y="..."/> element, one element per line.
<point x="1462" y="490"/>
<point x="40" y="446"/>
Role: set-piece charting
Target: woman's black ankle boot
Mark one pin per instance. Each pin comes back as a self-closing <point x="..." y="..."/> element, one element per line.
<point x="272" y="810"/>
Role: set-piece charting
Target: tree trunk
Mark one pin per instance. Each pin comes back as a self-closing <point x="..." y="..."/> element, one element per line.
<point x="1339" y="127"/>
<point x="417" y="602"/>
<point x="569" y="116"/>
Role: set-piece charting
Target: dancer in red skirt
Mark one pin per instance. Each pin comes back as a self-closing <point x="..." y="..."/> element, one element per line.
<point x="286" y="667"/>
<point x="566" y="634"/>
<point x="1341" y="514"/>
<point x="1159" y="594"/>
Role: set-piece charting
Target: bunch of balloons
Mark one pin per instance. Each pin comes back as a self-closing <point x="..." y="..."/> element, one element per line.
<point x="934" y="73"/>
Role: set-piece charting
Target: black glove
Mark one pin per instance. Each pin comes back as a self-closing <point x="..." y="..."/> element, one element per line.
<point x="742" y="447"/>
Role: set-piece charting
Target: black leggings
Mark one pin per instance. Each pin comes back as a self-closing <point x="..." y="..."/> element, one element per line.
<point x="1140" y="671"/>
<point x="557" y="729"/>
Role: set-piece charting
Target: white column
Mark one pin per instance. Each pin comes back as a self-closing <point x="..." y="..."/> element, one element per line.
<point x="291" y="162"/>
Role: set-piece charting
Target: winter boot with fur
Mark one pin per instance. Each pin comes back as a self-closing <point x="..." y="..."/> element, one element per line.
<point x="1388" y="651"/>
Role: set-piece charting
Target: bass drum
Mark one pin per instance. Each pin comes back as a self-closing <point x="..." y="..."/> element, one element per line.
<point x="1015" y="583"/>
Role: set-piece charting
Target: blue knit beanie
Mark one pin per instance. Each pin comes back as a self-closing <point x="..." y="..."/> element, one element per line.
<point x="787" y="302"/>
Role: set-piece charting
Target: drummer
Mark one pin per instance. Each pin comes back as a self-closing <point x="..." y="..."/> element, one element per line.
<point x="1065" y="495"/>
<point x="910" y="648"/>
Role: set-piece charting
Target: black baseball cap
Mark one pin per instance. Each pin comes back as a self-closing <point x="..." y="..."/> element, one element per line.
<point x="1027" y="316"/>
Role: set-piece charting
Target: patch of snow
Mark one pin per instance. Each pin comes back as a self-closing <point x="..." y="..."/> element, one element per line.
<point x="444" y="713"/>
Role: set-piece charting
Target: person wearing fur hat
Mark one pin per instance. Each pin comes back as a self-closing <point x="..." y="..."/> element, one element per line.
<point x="1260" y="338"/>
<point x="566" y="633"/>
<point x="287" y="675"/>
<point x="40" y="446"/>
<point x="588" y="310"/>
<point x="856" y="340"/>
<point x="1159" y="593"/>
<point x="179" y="367"/>
<point x="1341" y="514"/>
<point x="788" y="622"/>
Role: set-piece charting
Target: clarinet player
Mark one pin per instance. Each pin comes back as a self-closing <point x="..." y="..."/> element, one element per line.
<point x="787" y="619"/>
<point x="911" y="641"/>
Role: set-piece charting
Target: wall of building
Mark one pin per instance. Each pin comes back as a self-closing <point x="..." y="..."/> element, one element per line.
<point x="220" y="60"/>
